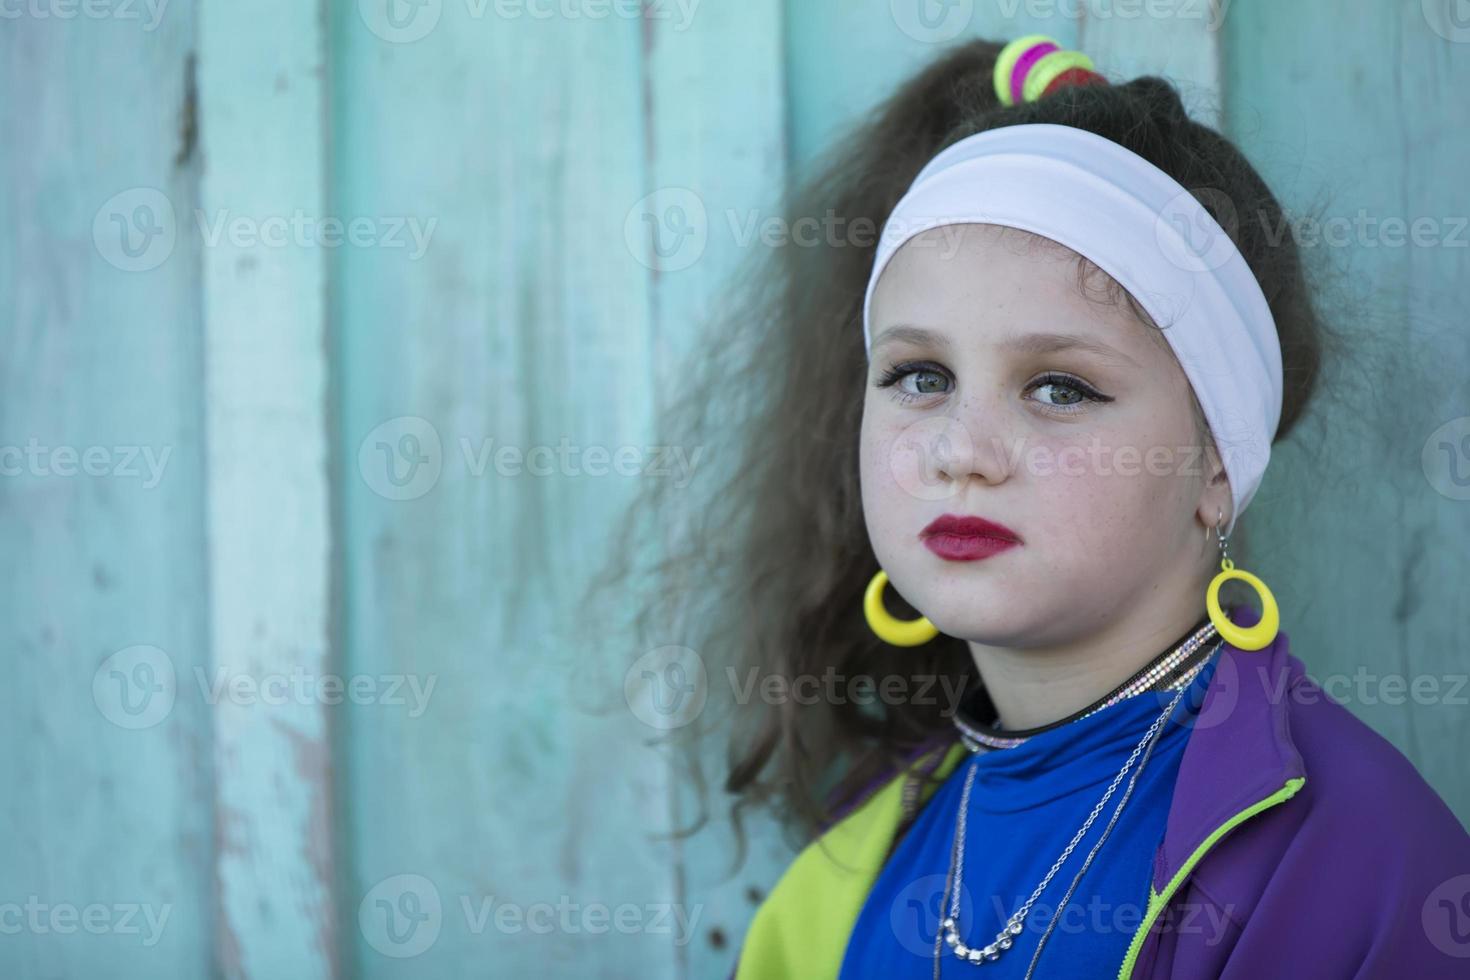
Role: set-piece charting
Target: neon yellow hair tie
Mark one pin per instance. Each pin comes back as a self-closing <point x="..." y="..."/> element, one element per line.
<point x="1005" y="64"/>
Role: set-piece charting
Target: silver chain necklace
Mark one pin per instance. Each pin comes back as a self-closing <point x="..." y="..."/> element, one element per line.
<point x="1005" y="939"/>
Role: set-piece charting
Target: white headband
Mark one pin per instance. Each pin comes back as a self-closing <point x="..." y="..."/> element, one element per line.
<point x="1138" y="225"/>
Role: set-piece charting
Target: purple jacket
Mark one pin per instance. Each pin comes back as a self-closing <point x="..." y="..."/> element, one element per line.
<point x="1299" y="844"/>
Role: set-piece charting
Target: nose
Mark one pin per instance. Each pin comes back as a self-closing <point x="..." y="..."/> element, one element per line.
<point x="971" y="444"/>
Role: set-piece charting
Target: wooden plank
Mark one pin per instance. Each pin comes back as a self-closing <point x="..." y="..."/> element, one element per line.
<point x="265" y="247"/>
<point x="106" y="870"/>
<point x="525" y="325"/>
<point x="1178" y="40"/>
<point x="715" y="99"/>
<point x="1367" y="534"/>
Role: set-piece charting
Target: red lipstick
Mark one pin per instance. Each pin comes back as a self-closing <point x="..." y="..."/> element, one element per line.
<point x="958" y="538"/>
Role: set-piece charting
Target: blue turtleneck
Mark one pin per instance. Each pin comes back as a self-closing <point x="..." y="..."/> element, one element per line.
<point x="1026" y="803"/>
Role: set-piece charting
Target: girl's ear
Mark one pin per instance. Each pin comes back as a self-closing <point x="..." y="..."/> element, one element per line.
<point x="1215" y="497"/>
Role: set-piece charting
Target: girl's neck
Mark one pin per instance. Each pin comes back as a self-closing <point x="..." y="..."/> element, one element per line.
<point x="1034" y="686"/>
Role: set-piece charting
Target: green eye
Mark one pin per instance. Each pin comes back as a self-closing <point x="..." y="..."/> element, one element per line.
<point x="927" y="382"/>
<point x="1073" y="391"/>
<point x="928" y="379"/>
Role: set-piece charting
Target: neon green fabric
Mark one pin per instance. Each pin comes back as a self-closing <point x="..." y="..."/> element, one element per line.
<point x="802" y="927"/>
<point x="1157" y="899"/>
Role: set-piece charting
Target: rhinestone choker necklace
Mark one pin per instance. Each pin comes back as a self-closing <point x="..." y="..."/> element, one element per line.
<point x="1170" y="670"/>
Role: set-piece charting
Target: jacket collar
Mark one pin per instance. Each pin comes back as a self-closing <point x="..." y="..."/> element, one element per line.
<point x="1240" y="752"/>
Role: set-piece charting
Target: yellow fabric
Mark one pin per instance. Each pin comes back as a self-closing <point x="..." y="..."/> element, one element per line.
<point x="801" y="929"/>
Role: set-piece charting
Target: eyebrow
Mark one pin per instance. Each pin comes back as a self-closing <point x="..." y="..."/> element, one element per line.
<point x="1030" y="343"/>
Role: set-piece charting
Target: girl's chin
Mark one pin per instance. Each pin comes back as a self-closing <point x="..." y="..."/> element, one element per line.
<point x="960" y="595"/>
<point x="966" y="624"/>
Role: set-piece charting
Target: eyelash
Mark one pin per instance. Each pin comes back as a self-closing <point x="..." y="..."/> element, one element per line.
<point x="902" y="370"/>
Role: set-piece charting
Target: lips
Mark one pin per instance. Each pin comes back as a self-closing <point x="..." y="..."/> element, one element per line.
<point x="961" y="538"/>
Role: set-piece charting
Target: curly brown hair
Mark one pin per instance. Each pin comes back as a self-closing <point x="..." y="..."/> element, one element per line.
<point x="763" y="570"/>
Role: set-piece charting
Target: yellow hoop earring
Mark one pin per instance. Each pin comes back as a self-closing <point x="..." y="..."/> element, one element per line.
<point x="1244" y="637"/>
<point x="899" y="632"/>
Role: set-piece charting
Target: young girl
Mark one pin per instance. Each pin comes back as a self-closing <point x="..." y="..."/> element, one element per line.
<point x="1030" y="414"/>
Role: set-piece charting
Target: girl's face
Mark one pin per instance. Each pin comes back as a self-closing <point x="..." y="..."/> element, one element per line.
<point x="997" y="390"/>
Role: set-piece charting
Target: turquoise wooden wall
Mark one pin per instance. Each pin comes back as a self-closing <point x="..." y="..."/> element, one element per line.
<point x="249" y="451"/>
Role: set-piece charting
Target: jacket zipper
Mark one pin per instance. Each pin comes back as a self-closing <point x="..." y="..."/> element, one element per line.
<point x="914" y="781"/>
<point x="1157" y="900"/>
<point x="910" y="796"/>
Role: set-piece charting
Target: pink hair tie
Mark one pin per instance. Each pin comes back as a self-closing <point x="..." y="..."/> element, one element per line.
<point x="1035" y="49"/>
